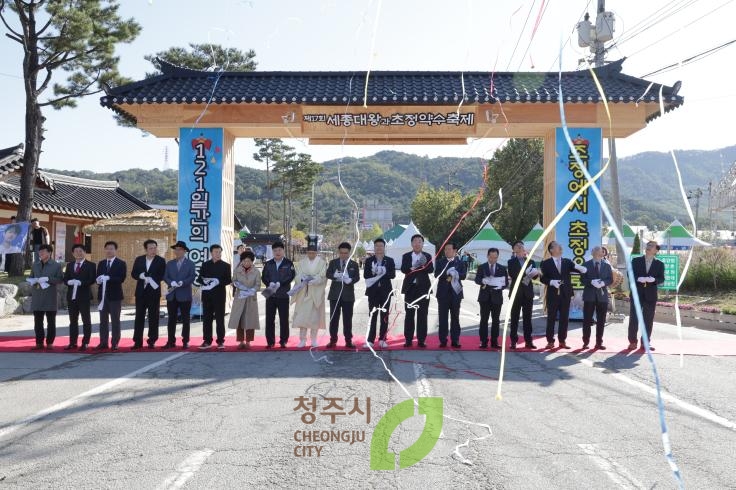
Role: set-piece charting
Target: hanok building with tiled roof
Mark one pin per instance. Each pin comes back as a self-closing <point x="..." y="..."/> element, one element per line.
<point x="392" y="107"/>
<point x="63" y="204"/>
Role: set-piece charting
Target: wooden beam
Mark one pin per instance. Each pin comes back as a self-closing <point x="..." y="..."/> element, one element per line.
<point x="388" y="141"/>
<point x="550" y="164"/>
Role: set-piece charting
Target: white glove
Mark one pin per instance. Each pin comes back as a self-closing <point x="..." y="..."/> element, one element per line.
<point x="529" y="270"/>
<point x="309" y="278"/>
<point x="312" y="281"/>
<point x="105" y="278"/>
<point x="374" y="268"/>
<point x="382" y="270"/>
<point x="247" y="292"/>
<point x="32" y="281"/>
<point x="555" y="283"/>
<point x="43" y="279"/>
<point x="101" y="279"/>
<point x="272" y="285"/>
<point x="151" y="282"/>
<point x="74" y="282"/>
<point x="642" y="280"/>
<point x="346" y="279"/>
<point x="44" y="285"/>
<point x="142" y="276"/>
<point x="214" y="282"/>
<point x="597" y="283"/>
<point x="337" y="275"/>
<point x="488" y="280"/>
<point x="650" y="279"/>
<point x="175" y="284"/>
<point x="581" y="269"/>
<point x="278" y="285"/>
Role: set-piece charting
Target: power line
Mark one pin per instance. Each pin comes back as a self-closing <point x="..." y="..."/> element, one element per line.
<point x="691" y="59"/>
<point x="518" y="40"/>
<point x="585" y="9"/>
<point x="534" y="31"/>
<point x="653" y="19"/>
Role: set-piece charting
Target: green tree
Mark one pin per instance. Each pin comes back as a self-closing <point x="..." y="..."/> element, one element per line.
<point x="269" y="150"/>
<point x="205" y="56"/>
<point x="76" y="38"/>
<point x="295" y="174"/>
<point x="517" y="169"/>
<point x="434" y="212"/>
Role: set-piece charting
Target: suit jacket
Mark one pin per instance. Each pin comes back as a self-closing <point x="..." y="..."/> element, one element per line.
<point x="156" y="272"/>
<point x="648" y="293"/>
<point x="383" y="287"/>
<point x="550" y="272"/>
<point x="117" y="273"/>
<point x="444" y="287"/>
<point x="416" y="282"/>
<point x="220" y="270"/>
<point x="284" y="274"/>
<point x="186" y="274"/>
<point x="338" y="289"/>
<point x="45" y="299"/>
<point x="487" y="294"/>
<point x="525" y="291"/>
<point x="87" y="275"/>
<point x="605" y="274"/>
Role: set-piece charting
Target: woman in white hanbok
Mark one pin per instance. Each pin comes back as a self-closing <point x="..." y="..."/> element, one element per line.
<point x="308" y="295"/>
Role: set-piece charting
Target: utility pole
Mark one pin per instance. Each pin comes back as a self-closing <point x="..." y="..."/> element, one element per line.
<point x="695" y="195"/>
<point x="595" y="37"/>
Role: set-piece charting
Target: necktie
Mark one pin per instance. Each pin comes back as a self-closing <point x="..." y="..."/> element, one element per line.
<point x="493" y="270"/>
<point x="559" y="267"/>
<point x="597" y="270"/>
<point x="109" y="264"/>
<point x="342" y="265"/>
<point x="178" y="265"/>
<point x="76" y="269"/>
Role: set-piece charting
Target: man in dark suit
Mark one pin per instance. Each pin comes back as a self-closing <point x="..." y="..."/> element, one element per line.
<point x="492" y="279"/>
<point x="378" y="272"/>
<point x="595" y="296"/>
<point x="214" y="275"/>
<point x="79" y="276"/>
<point x="556" y="272"/>
<point x="417" y="267"/>
<point x="111" y="273"/>
<point x="277" y="276"/>
<point x="179" y="276"/>
<point x="649" y="273"/>
<point x="343" y="273"/>
<point x="524" y="300"/>
<point x="148" y="272"/>
<point x="450" y="271"/>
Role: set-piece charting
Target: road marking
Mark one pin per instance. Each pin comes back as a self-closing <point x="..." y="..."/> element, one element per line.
<point x="700" y="412"/>
<point x="87" y="394"/>
<point x="186" y="470"/>
<point x="614" y="471"/>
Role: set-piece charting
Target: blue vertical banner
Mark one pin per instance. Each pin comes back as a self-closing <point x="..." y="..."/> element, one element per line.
<point x="579" y="230"/>
<point x="200" y="194"/>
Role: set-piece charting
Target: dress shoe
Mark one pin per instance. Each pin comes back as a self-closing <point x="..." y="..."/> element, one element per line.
<point x="456" y="345"/>
<point x="564" y="345"/>
<point x="331" y="345"/>
<point x="83" y="347"/>
<point x="315" y="344"/>
<point x="422" y="345"/>
<point x="283" y="345"/>
<point x="494" y="345"/>
<point x="349" y="345"/>
<point x="443" y="344"/>
<point x="205" y="345"/>
<point x="302" y="344"/>
<point x="483" y="345"/>
<point x="269" y="346"/>
<point x="632" y="346"/>
<point x="383" y="344"/>
<point x="220" y="346"/>
<point x="50" y="347"/>
<point x="136" y="347"/>
<point x="152" y="345"/>
<point x="168" y="345"/>
<point x="101" y="347"/>
<point x="70" y="347"/>
<point x="368" y="345"/>
<point x="37" y="347"/>
<point x="241" y="346"/>
<point x="529" y="345"/>
<point x="114" y="347"/>
<point x="550" y="345"/>
<point x="185" y="345"/>
<point x="513" y="345"/>
<point x="600" y="347"/>
<point x="585" y="345"/>
<point x="407" y="344"/>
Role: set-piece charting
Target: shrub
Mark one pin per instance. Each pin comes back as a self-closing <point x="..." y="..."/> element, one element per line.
<point x="712" y="269"/>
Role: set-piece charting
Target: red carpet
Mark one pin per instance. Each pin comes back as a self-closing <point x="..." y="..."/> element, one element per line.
<point x="469" y="343"/>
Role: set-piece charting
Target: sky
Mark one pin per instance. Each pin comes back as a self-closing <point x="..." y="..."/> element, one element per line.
<point x="460" y="35"/>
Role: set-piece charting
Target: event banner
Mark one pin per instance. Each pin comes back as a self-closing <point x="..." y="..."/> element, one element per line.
<point x="200" y="193"/>
<point x="579" y="230"/>
<point x="14" y="237"/>
<point x="671" y="270"/>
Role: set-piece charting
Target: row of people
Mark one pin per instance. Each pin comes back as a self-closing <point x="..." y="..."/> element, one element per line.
<point x="310" y="276"/>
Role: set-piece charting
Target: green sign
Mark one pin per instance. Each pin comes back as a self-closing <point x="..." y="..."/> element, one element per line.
<point x="242" y="235"/>
<point x="671" y="270"/>
<point x="382" y="458"/>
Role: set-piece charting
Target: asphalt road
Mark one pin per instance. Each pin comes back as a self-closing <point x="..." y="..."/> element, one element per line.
<point x="214" y="420"/>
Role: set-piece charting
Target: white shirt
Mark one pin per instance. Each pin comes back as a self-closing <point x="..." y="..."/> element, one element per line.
<point x="148" y="263"/>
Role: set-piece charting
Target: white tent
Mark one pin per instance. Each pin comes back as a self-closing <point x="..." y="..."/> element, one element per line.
<point x="486" y="238"/>
<point x="402" y="244"/>
<point x="676" y="237"/>
<point x="628" y="233"/>
<point x="531" y="238"/>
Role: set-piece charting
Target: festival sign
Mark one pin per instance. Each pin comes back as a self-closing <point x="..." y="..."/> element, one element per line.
<point x="200" y="193"/>
<point x="579" y="230"/>
<point x="395" y="119"/>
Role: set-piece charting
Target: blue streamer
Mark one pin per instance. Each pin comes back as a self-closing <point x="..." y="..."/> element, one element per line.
<point x="634" y="296"/>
